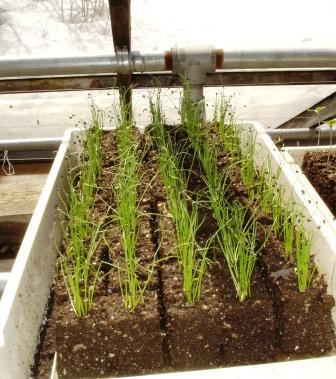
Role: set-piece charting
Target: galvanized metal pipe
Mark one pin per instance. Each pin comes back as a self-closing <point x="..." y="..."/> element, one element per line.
<point x="30" y="144"/>
<point x="277" y="58"/>
<point x="33" y="67"/>
<point x="154" y="62"/>
<point x="301" y="133"/>
<point x="149" y="62"/>
<point x="81" y="65"/>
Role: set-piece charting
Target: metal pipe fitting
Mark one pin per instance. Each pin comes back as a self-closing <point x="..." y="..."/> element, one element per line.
<point x="202" y="57"/>
<point x="193" y="64"/>
<point x="123" y="64"/>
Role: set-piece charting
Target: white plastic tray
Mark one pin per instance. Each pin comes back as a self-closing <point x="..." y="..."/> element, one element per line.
<point x="26" y="294"/>
<point x="294" y="157"/>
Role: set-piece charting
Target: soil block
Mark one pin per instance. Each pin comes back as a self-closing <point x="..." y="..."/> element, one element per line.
<point x="218" y="329"/>
<point x="305" y="323"/>
<point x="110" y="340"/>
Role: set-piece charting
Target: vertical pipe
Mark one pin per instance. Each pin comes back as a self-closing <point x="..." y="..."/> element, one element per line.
<point x="120" y="13"/>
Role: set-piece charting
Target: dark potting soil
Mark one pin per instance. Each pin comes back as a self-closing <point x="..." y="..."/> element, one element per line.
<point x="320" y="169"/>
<point x="165" y="333"/>
<point x="218" y="329"/>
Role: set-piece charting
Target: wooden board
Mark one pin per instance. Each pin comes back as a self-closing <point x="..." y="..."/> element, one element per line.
<point x="146" y="80"/>
<point x="19" y="193"/>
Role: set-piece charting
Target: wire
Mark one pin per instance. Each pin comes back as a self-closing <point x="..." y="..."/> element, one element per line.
<point x="9" y="170"/>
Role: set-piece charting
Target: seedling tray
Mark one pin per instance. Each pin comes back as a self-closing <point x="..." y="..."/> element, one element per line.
<point x="26" y="294"/>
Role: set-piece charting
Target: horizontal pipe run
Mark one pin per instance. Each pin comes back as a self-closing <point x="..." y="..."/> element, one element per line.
<point x="158" y="62"/>
<point x="74" y="65"/>
<point x="278" y="58"/>
<point x="301" y="133"/>
<point x="80" y="65"/>
<point x="30" y="144"/>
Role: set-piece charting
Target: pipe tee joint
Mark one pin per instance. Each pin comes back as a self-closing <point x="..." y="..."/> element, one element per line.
<point x="193" y="64"/>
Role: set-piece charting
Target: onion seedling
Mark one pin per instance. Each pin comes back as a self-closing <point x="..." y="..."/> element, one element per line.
<point x="265" y="189"/>
<point x="330" y="124"/>
<point x="278" y="211"/>
<point x="191" y="256"/>
<point x="81" y="235"/>
<point x="237" y="235"/>
<point x="227" y="128"/>
<point x="127" y="215"/>
<point x="318" y="111"/>
<point x="80" y="276"/>
<point x="238" y="241"/>
<point x="288" y="230"/>
<point x="303" y="244"/>
<point x="247" y="171"/>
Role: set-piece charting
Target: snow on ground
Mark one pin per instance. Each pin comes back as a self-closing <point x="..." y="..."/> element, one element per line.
<point x="43" y="28"/>
<point x="33" y="27"/>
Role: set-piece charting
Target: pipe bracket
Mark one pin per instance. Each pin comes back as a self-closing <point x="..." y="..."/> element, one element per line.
<point x="123" y="61"/>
